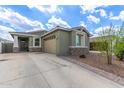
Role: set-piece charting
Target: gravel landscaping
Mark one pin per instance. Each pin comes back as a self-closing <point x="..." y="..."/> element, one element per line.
<point x="99" y="61"/>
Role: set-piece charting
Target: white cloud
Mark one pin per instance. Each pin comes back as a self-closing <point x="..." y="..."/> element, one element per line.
<point x="47" y="9"/>
<point x="4" y="28"/>
<point x="90" y="8"/>
<point x="94" y="19"/>
<point x="83" y="24"/>
<point x="100" y="29"/>
<point x="110" y="14"/>
<point x="119" y="17"/>
<point x="4" y="33"/>
<point x="102" y="12"/>
<point x="16" y="20"/>
<point x="104" y="30"/>
<point x="54" y="21"/>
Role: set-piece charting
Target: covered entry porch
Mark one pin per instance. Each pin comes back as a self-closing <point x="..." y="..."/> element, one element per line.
<point x="23" y="44"/>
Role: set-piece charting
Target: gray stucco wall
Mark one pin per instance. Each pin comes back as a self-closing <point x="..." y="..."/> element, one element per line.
<point x="30" y="41"/>
<point x="32" y="47"/>
<point x="63" y="43"/>
<point x="87" y="41"/>
<point x="73" y="38"/>
<point x="64" y="39"/>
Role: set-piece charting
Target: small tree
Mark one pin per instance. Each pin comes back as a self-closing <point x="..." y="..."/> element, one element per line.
<point x="106" y="46"/>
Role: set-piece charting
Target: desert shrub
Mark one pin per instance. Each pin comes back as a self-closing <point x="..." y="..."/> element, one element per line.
<point x="119" y="50"/>
<point x="97" y="46"/>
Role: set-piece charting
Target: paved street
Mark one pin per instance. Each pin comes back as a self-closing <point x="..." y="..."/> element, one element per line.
<point x="42" y="70"/>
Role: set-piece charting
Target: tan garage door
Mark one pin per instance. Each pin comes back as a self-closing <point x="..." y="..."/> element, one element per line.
<point x="50" y="46"/>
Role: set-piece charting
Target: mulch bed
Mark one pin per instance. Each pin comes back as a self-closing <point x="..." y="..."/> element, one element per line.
<point x="98" y="60"/>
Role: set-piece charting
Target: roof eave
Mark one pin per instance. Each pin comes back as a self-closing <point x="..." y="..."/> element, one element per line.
<point x="22" y="34"/>
<point x="56" y="28"/>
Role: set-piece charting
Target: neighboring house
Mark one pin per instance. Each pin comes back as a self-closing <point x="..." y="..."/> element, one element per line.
<point x="93" y="43"/>
<point x="95" y="40"/>
<point x="59" y="41"/>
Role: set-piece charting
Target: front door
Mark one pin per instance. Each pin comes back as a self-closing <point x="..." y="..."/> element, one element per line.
<point x="23" y="42"/>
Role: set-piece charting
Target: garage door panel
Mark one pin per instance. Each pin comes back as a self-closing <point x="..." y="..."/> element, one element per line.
<point x="50" y="46"/>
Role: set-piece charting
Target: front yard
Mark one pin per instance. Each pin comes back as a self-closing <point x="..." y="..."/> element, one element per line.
<point x="43" y="70"/>
<point x="99" y="61"/>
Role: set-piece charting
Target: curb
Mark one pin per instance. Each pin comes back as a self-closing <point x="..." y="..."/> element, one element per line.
<point x="103" y="73"/>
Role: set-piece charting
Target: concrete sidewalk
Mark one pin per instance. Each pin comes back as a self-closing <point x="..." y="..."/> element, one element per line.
<point x="46" y="70"/>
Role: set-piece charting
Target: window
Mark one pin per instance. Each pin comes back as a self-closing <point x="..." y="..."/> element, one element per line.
<point x="78" y="40"/>
<point x="37" y="42"/>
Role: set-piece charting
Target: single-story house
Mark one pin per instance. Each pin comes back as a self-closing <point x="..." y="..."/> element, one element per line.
<point x="59" y="41"/>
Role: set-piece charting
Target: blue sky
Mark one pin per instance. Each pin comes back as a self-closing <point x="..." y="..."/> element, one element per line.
<point x="24" y="18"/>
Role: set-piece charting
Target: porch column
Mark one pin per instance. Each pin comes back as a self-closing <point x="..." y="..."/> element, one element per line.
<point x="16" y="45"/>
<point x="33" y="41"/>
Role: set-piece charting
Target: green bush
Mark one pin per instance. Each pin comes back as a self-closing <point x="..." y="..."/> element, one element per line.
<point x="98" y="46"/>
<point x="119" y="50"/>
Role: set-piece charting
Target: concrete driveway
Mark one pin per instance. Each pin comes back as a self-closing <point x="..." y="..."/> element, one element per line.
<point x="46" y="70"/>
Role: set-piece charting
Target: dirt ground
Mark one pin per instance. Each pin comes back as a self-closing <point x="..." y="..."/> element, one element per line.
<point x="99" y="60"/>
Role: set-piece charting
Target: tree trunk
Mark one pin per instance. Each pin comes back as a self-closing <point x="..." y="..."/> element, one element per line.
<point x="109" y="59"/>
